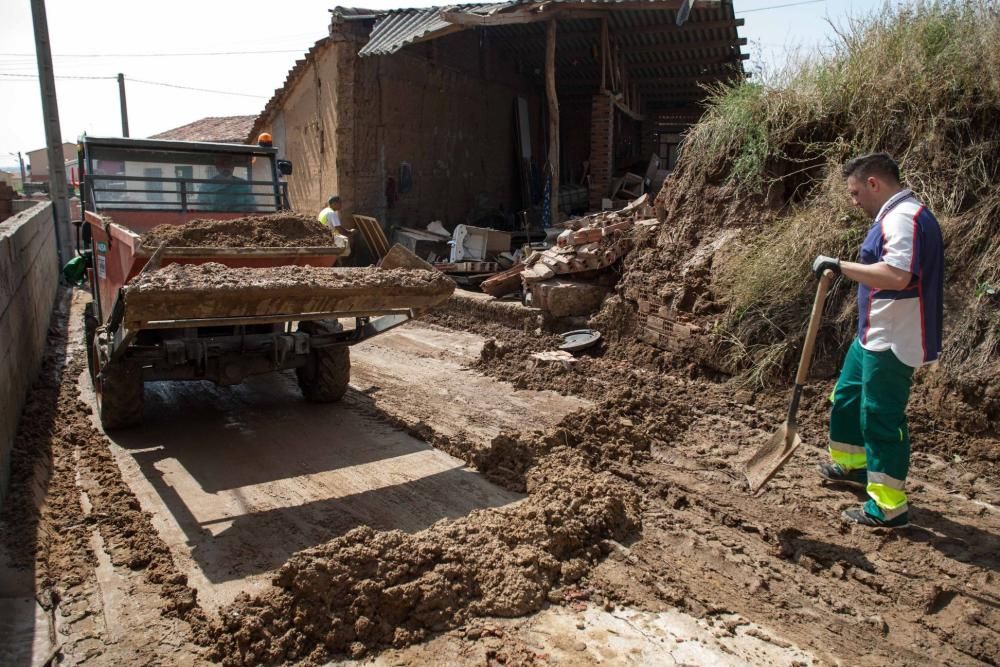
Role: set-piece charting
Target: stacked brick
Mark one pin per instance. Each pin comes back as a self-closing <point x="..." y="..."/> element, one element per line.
<point x="659" y="326"/>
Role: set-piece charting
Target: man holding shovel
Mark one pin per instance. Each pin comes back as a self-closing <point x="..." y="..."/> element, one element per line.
<point x="900" y="279"/>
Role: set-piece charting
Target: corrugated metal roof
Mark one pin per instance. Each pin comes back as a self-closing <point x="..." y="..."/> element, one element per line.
<point x="401" y="27"/>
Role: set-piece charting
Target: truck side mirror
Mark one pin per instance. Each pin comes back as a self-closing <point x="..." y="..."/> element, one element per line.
<point x="285" y="167"/>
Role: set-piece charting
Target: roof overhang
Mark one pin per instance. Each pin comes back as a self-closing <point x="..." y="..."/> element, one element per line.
<point x="669" y="60"/>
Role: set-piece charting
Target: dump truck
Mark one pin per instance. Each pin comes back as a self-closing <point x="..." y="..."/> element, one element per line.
<point x="221" y="314"/>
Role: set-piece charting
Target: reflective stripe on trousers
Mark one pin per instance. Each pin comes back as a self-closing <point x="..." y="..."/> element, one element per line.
<point x="868" y="425"/>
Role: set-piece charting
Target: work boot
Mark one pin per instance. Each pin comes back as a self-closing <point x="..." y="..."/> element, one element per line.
<point x="862" y="518"/>
<point x="832" y="472"/>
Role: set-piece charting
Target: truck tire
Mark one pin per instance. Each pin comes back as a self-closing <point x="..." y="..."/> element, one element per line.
<point x="324" y="377"/>
<point x="119" y="391"/>
<point x="89" y="332"/>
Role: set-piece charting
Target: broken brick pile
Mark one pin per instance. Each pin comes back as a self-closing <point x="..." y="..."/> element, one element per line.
<point x="588" y="245"/>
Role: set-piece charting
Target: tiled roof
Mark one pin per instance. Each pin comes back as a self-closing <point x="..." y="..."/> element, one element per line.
<point x="218" y="129"/>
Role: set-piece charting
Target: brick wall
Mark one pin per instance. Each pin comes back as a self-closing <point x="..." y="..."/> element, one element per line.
<point x="447" y="110"/>
<point x="601" y="134"/>
<point x="29" y="277"/>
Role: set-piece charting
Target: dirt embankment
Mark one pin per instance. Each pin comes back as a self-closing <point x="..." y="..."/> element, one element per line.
<point x="278" y="230"/>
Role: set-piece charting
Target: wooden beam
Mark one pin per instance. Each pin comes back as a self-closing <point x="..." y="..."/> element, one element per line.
<point x="658" y="29"/>
<point x="663" y="49"/>
<point x="604" y="53"/>
<point x="687" y="47"/>
<point x="553" y="98"/>
<point x="687" y="27"/>
<point x="662" y="80"/>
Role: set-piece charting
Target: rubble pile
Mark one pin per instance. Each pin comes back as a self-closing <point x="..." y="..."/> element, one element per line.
<point x="565" y="280"/>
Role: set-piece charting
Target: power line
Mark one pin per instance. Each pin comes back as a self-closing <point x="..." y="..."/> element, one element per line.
<point x="35" y="76"/>
<point x="153" y="55"/>
<point x="790" y="4"/>
<point x="151" y="83"/>
<point x="201" y="90"/>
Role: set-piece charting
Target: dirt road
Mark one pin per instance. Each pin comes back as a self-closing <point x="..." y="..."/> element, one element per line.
<point x="235" y="511"/>
<point x="240" y="478"/>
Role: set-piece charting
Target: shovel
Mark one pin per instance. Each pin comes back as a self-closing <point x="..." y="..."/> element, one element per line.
<point x="772" y="457"/>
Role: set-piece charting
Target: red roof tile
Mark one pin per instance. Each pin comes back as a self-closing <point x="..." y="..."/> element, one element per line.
<point x="221" y="129"/>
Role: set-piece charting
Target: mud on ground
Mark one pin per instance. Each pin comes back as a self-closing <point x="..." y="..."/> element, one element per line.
<point x="927" y="594"/>
<point x="637" y="501"/>
<point x="277" y="230"/>
<point x="72" y="523"/>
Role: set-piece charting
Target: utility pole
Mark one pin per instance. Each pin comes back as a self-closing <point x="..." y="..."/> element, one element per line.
<point x="24" y="176"/>
<point x="50" y="113"/>
<point x="121" y="98"/>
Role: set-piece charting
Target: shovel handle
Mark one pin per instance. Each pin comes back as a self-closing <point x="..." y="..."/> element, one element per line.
<point x="817" y="311"/>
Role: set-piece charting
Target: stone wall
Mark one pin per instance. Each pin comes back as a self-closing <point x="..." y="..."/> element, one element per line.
<point x="29" y="277"/>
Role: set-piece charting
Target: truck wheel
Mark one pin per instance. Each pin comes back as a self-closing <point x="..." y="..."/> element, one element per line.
<point x="89" y="332"/>
<point x="324" y="377"/>
<point x="119" y="391"/>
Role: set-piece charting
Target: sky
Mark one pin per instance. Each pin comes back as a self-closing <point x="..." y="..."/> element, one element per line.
<point x="100" y="38"/>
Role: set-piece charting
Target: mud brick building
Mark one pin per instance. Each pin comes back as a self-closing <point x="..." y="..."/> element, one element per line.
<point x="460" y="113"/>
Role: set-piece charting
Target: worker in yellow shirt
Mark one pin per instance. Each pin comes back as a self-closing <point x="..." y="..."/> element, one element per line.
<point x="330" y="216"/>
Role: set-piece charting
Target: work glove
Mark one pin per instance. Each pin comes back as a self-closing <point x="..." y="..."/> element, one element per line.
<point x="822" y="263"/>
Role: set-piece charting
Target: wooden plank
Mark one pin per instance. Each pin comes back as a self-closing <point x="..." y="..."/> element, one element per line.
<point x="553" y="99"/>
<point x="373" y="234"/>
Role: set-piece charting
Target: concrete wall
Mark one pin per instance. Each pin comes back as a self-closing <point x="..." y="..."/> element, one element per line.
<point x="29" y="276"/>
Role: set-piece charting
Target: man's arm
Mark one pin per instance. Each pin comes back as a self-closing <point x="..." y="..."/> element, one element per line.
<point x="878" y="275"/>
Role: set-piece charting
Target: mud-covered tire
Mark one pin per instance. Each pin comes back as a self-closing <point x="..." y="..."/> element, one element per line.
<point x="90" y="324"/>
<point x="324" y="377"/>
<point x="119" y="391"/>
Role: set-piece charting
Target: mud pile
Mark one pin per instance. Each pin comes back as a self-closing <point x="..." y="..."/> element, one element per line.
<point x="278" y="230"/>
<point x="215" y="277"/>
<point x="59" y="452"/>
<point x="369" y="589"/>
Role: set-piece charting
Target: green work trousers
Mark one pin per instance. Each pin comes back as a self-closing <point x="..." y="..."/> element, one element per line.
<point x="868" y="425"/>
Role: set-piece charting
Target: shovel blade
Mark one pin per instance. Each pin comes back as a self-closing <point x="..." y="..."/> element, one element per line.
<point x="772" y="457"/>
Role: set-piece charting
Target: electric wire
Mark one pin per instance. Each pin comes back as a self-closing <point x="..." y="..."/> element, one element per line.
<point x="144" y="81"/>
<point x="790" y="4"/>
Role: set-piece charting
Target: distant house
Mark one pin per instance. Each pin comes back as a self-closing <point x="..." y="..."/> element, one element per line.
<point x="11" y="178"/>
<point x="214" y="129"/>
<point x="38" y="167"/>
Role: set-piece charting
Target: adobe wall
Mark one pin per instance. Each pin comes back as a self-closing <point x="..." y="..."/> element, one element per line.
<point x="446" y="108"/>
<point x="29" y="277"/>
<point x="304" y="130"/>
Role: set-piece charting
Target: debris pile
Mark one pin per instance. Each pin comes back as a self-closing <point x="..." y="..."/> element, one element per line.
<point x="368" y="588"/>
<point x="568" y="278"/>
<point x="278" y="230"/>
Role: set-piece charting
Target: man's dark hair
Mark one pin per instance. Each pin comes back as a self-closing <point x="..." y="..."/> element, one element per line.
<point x="873" y="164"/>
<point x="335" y="199"/>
